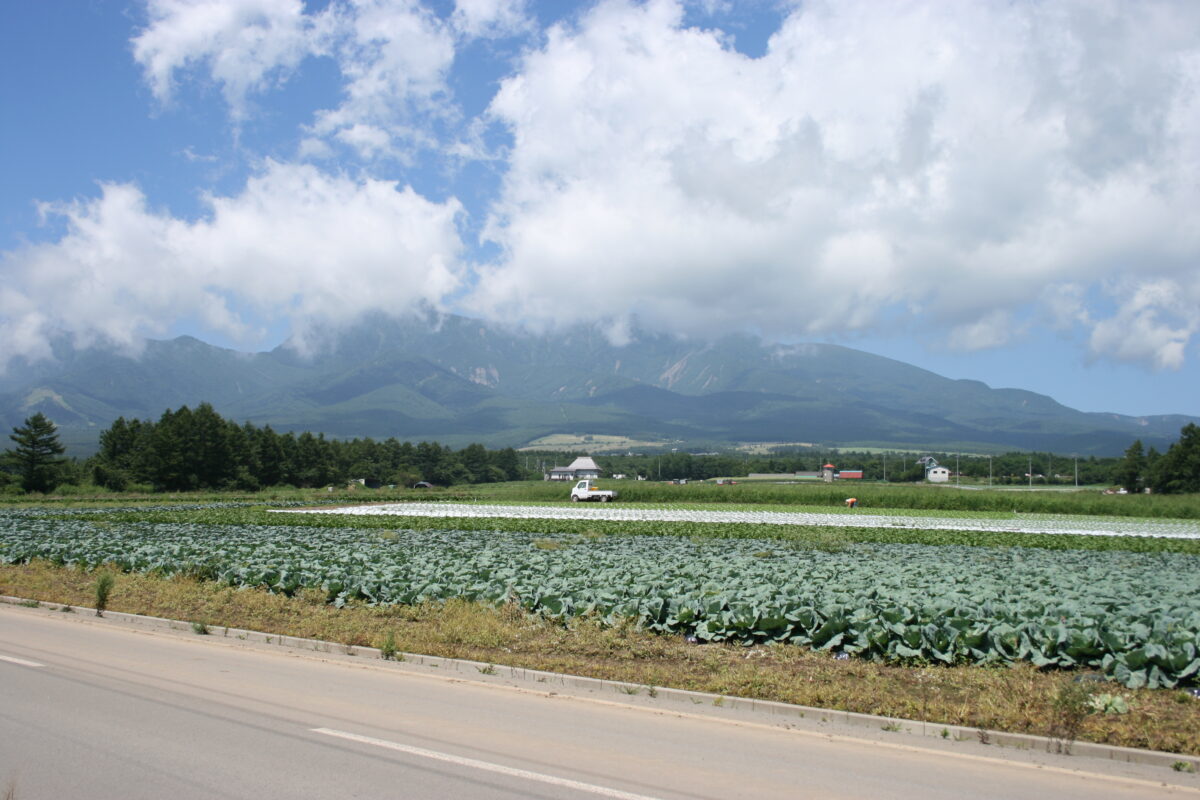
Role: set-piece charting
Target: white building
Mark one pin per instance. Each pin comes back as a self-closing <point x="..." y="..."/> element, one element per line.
<point x="937" y="475"/>
<point x="580" y="468"/>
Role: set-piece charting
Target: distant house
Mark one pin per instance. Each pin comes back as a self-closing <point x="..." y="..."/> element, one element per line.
<point x="849" y="474"/>
<point x="937" y="475"/>
<point x="580" y="468"/>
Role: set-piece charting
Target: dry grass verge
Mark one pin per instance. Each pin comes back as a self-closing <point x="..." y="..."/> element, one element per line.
<point x="1019" y="699"/>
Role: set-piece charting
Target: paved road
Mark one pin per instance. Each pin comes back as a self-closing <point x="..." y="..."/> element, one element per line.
<point x="91" y="710"/>
<point x="1059" y="524"/>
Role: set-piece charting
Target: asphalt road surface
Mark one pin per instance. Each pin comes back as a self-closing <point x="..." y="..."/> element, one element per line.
<point x="91" y="710"/>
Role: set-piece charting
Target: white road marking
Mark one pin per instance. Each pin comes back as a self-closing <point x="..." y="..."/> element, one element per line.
<point x="602" y="791"/>
<point x="21" y="661"/>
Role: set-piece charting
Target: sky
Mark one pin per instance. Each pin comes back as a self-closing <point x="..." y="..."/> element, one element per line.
<point x="1002" y="191"/>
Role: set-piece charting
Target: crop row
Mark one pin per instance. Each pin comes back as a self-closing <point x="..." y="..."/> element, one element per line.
<point x="800" y="535"/>
<point x="1133" y="616"/>
<point x="1043" y="524"/>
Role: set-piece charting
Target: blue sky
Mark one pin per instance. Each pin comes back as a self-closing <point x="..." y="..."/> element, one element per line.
<point x="999" y="191"/>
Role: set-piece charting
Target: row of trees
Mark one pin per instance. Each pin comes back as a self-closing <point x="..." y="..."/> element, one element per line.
<point x="1173" y="472"/>
<point x="190" y="449"/>
<point x="1009" y="468"/>
<point x="197" y="449"/>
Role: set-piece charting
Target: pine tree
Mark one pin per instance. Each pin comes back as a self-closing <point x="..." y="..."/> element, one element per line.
<point x="1179" y="469"/>
<point x="1132" y="468"/>
<point x="35" y="457"/>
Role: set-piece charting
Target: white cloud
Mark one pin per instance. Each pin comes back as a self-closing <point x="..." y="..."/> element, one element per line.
<point x="945" y="161"/>
<point x="243" y="44"/>
<point x="1153" y="324"/>
<point x="394" y="56"/>
<point x="479" y="19"/>
<point x="296" y="243"/>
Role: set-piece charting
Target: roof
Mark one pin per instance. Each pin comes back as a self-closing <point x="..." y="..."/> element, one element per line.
<point x="584" y="462"/>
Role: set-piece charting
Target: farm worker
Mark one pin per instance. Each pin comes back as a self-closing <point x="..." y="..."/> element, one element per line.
<point x="851" y="502"/>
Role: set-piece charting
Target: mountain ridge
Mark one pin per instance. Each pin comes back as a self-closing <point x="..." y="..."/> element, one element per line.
<point x="457" y="380"/>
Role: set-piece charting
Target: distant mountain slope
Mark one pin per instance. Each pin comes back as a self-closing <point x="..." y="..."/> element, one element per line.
<point x="458" y="380"/>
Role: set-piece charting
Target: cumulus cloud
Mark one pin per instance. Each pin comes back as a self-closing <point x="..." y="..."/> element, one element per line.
<point x="243" y="44"/>
<point x="974" y="169"/>
<point x="947" y="162"/>
<point x="1153" y="323"/>
<point x="295" y="243"/>
<point x="394" y="56"/>
<point x="479" y="19"/>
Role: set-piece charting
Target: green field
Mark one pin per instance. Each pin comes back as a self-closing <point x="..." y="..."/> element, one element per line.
<point x="1128" y="607"/>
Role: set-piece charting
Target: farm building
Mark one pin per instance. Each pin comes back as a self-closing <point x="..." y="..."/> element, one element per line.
<point x="937" y="475"/>
<point x="580" y="468"/>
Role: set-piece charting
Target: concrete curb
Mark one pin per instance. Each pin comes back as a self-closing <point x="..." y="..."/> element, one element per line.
<point x="764" y="711"/>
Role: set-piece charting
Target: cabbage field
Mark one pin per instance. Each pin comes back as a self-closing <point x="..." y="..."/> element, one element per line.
<point x="1135" y="616"/>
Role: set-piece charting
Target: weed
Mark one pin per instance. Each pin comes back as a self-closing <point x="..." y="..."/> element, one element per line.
<point x="718" y="701"/>
<point x="104" y="585"/>
<point x="984" y="736"/>
<point x="1071" y="707"/>
<point x="490" y="669"/>
<point x="893" y="727"/>
<point x="200" y="629"/>
<point x="1183" y="766"/>
<point x="652" y="691"/>
<point x="67" y="610"/>
<point x="945" y="733"/>
<point x="389" y="536"/>
<point x="348" y="649"/>
<point x="31" y="604"/>
<point x="547" y="544"/>
<point x="387" y="648"/>
<point x="630" y="689"/>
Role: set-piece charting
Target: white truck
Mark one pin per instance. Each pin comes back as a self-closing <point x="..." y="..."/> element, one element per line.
<point x="586" y="490"/>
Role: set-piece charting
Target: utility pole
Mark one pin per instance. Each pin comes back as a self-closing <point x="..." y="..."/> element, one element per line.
<point x="957" y="472"/>
<point x="1076" y="472"/>
<point x="1031" y="472"/>
<point x="989" y="470"/>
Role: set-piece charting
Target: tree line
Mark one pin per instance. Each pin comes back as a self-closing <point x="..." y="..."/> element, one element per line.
<point x="191" y="449"/>
<point x="1005" y="469"/>
<point x="1176" y="471"/>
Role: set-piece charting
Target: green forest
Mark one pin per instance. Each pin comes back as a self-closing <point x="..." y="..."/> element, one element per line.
<point x="196" y="449"/>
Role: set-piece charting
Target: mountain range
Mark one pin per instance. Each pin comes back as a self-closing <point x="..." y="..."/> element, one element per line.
<point x="458" y="380"/>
